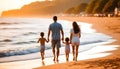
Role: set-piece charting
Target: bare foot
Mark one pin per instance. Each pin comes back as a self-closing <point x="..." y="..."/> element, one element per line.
<point x="73" y="58"/>
<point x="54" y="59"/>
<point x="67" y="59"/>
<point x="57" y="60"/>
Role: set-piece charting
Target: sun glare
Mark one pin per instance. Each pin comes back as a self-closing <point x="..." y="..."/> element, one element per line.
<point x="14" y="4"/>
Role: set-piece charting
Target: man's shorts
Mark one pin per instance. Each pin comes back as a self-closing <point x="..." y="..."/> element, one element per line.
<point x="56" y="43"/>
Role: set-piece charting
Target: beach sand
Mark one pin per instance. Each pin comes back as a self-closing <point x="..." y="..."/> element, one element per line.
<point x="108" y="26"/>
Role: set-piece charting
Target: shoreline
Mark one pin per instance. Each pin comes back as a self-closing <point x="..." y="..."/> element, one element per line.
<point x="93" y="63"/>
<point x="96" y="22"/>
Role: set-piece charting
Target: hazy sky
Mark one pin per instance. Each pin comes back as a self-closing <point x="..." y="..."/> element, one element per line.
<point x="13" y="4"/>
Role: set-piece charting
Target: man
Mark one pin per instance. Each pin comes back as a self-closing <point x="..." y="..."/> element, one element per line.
<point x="56" y="29"/>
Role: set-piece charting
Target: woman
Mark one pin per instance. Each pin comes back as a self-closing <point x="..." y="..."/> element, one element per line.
<point x="75" y="35"/>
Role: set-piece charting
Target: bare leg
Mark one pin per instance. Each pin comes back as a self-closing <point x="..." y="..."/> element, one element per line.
<point x="73" y="51"/>
<point x="57" y="53"/>
<point x="67" y="56"/>
<point x="77" y="46"/>
<point x="43" y="55"/>
<point x="53" y="50"/>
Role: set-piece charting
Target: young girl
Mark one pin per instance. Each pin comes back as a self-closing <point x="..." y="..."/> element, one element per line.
<point x="42" y="41"/>
<point x="67" y="48"/>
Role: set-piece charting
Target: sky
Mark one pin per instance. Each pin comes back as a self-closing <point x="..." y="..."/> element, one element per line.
<point x="13" y="4"/>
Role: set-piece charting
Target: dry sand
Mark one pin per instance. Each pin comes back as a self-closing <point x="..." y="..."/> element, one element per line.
<point x="108" y="26"/>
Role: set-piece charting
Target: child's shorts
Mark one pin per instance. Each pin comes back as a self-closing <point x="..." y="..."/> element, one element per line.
<point x="42" y="48"/>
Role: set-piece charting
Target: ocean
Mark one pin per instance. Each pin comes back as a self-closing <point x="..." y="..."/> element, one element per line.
<point x="18" y="37"/>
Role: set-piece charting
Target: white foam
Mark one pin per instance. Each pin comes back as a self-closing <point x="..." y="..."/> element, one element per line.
<point x="96" y="52"/>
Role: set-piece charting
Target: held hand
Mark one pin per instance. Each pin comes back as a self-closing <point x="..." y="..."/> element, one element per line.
<point x="62" y="39"/>
<point x="48" y="40"/>
<point x="70" y="42"/>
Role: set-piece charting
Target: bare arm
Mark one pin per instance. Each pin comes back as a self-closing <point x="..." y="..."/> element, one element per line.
<point x="80" y="33"/>
<point x="62" y="34"/>
<point x="70" y="37"/>
<point x="46" y="40"/>
<point x="48" y="35"/>
<point x="63" y="42"/>
<point x="38" y="40"/>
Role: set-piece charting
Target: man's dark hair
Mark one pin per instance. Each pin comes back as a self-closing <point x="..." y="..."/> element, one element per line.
<point x="55" y="18"/>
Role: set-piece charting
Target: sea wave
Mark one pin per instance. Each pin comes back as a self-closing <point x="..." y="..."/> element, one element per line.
<point x="6" y="40"/>
<point x="8" y="28"/>
<point x="91" y="42"/>
<point x="8" y="23"/>
<point x="23" y="42"/>
<point x="16" y="52"/>
<point x="19" y="51"/>
<point x="30" y="33"/>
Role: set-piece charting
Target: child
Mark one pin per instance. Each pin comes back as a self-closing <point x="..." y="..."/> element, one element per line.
<point x="42" y="41"/>
<point x="67" y="48"/>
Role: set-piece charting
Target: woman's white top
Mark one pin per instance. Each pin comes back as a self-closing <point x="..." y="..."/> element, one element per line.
<point x="75" y="38"/>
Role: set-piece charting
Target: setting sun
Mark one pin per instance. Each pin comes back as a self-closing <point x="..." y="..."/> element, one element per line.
<point x="14" y="4"/>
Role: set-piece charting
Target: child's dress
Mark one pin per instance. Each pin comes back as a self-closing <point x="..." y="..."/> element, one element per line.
<point x="67" y="48"/>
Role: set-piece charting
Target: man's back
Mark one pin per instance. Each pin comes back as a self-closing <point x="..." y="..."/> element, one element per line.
<point x="55" y="28"/>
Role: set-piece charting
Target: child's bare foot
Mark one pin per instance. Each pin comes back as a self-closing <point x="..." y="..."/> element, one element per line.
<point x="54" y="59"/>
<point x="42" y="58"/>
<point x="67" y="59"/>
<point x="73" y="58"/>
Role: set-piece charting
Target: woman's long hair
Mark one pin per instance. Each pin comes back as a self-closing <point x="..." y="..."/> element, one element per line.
<point x="76" y="27"/>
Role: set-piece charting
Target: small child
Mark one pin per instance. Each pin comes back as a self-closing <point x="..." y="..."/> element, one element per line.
<point x="42" y="41"/>
<point x="67" y="48"/>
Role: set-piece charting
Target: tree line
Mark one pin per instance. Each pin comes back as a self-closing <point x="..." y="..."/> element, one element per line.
<point x="95" y="6"/>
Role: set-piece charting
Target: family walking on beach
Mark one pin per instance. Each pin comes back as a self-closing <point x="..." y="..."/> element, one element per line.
<point x="56" y="30"/>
